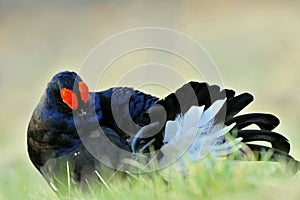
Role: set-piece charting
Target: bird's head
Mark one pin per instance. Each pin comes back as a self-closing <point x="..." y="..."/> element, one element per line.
<point x="69" y="91"/>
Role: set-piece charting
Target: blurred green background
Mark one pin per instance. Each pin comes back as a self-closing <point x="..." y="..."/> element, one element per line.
<point x="256" y="46"/>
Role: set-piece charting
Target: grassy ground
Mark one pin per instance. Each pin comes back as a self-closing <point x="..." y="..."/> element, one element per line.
<point x="255" y="45"/>
<point x="207" y="180"/>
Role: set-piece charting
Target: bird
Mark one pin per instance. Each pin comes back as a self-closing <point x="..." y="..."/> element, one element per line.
<point x="77" y="137"/>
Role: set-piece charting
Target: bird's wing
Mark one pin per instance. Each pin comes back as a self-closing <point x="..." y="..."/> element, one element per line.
<point x="123" y="109"/>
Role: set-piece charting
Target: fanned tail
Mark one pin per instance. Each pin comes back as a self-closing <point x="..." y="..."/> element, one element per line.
<point x="202" y="94"/>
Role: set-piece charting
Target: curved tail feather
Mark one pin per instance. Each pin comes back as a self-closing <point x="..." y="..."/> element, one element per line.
<point x="262" y="120"/>
<point x="237" y="103"/>
<point x="277" y="140"/>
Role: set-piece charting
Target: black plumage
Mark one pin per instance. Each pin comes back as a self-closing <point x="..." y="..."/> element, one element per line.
<point x="61" y="124"/>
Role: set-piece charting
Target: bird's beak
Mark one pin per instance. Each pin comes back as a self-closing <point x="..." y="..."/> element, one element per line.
<point x="82" y="113"/>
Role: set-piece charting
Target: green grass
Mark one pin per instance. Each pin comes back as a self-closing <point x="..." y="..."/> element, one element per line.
<point x="208" y="179"/>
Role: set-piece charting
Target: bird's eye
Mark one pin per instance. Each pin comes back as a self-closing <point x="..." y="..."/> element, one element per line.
<point x="84" y="92"/>
<point x="69" y="98"/>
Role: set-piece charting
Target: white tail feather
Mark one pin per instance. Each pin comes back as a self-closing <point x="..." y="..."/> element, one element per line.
<point x="211" y="112"/>
<point x="196" y="134"/>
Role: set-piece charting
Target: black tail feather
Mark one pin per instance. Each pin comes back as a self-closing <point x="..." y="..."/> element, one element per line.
<point x="229" y="93"/>
<point x="263" y="121"/>
<point x="193" y="94"/>
<point x="278" y="141"/>
<point x="237" y="103"/>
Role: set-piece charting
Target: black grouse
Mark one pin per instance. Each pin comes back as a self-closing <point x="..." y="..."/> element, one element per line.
<point x="87" y="134"/>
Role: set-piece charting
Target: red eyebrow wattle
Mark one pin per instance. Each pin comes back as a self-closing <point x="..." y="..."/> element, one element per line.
<point x="84" y="92"/>
<point x="69" y="98"/>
